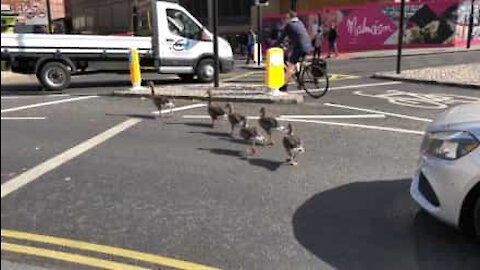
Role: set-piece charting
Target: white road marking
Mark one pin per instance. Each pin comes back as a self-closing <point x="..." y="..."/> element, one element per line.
<point x="46" y="104"/>
<point x="301" y="116"/>
<point x="24" y="118"/>
<point x="333" y="116"/>
<point x="353" y="86"/>
<point x="239" y="76"/>
<point x="377" y="111"/>
<point x="53" y="163"/>
<point x="33" y="96"/>
<point x="398" y="130"/>
<point x="188" y="107"/>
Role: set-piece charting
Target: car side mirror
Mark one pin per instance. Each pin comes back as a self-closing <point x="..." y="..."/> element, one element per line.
<point x="204" y="35"/>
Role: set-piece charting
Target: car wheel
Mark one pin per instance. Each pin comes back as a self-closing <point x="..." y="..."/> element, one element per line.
<point x="205" y="70"/>
<point x="54" y="76"/>
<point x="476" y="218"/>
<point x="186" y="77"/>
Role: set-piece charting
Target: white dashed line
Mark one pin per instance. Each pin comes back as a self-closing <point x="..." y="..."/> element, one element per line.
<point x="24" y="118"/>
<point x="377" y="111"/>
<point x="398" y="130"/>
<point x="53" y="163"/>
<point x="36" y="105"/>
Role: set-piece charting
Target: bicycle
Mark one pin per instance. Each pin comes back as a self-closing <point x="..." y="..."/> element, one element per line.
<point x="312" y="76"/>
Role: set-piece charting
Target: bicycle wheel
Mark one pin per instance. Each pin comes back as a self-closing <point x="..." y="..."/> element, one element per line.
<point x="314" y="82"/>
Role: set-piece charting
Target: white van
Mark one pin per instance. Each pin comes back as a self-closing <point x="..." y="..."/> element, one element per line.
<point x="179" y="44"/>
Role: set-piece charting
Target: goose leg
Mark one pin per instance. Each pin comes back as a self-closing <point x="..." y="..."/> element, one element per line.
<point x="213" y="122"/>
<point x="289" y="155"/>
<point x="294" y="162"/>
<point x="232" y="129"/>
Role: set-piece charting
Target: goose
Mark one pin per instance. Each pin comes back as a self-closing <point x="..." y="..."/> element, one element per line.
<point x="293" y="145"/>
<point x="249" y="133"/>
<point x="214" y="110"/>
<point x="269" y="124"/>
<point x="234" y="118"/>
<point x="160" y="101"/>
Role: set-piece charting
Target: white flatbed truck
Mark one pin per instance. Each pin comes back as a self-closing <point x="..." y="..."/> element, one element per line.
<point x="179" y="45"/>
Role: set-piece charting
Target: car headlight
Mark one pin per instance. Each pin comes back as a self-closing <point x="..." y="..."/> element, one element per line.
<point x="449" y="145"/>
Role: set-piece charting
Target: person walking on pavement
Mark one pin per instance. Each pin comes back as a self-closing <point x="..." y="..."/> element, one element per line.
<point x="251" y="40"/>
<point x="317" y="43"/>
<point x="332" y="40"/>
<point x="300" y="41"/>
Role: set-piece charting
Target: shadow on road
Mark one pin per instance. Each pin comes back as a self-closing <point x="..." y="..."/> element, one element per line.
<point x="135" y="115"/>
<point x="375" y="225"/>
<point x="211" y="133"/>
<point x="271" y="165"/>
<point x="224" y="152"/>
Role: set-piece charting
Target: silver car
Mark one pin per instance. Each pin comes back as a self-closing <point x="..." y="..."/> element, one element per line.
<point x="447" y="181"/>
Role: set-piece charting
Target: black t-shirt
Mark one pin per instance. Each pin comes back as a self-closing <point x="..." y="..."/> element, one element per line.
<point x="332" y="34"/>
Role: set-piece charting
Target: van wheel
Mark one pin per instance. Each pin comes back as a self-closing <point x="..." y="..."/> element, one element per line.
<point x="186" y="77"/>
<point x="205" y="70"/>
<point x="54" y="76"/>
<point x="476" y="218"/>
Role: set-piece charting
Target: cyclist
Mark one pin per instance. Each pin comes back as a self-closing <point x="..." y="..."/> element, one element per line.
<point x="301" y="44"/>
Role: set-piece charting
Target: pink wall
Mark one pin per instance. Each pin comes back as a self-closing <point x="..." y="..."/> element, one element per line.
<point x="375" y="25"/>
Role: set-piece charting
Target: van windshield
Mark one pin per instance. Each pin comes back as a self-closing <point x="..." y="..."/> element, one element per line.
<point x="182" y="25"/>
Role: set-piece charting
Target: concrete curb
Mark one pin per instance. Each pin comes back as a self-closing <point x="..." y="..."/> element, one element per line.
<point x="447" y="83"/>
<point x="221" y="95"/>
<point x="10" y="77"/>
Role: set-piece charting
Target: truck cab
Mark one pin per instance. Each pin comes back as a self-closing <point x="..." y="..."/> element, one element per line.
<point x="178" y="44"/>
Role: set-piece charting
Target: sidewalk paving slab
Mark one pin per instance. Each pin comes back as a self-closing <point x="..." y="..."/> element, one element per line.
<point x="226" y="93"/>
<point x="466" y="76"/>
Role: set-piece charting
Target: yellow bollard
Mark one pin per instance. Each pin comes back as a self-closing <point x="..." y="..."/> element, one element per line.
<point x="274" y="70"/>
<point x="135" y="76"/>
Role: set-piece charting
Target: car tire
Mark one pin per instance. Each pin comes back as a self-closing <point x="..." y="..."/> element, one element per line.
<point x="205" y="70"/>
<point x="476" y="218"/>
<point x="186" y="77"/>
<point x="54" y="76"/>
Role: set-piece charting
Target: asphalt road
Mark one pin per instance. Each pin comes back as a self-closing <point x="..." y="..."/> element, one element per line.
<point x="180" y="189"/>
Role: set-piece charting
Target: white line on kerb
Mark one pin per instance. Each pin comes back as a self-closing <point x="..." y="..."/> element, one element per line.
<point x="24" y="118"/>
<point x="377" y="111"/>
<point x="53" y="163"/>
<point x="46" y="104"/>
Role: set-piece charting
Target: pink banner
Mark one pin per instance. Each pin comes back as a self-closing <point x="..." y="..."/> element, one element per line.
<point x="374" y="26"/>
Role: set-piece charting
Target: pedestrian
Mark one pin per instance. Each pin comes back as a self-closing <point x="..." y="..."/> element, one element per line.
<point x="332" y="40"/>
<point x="251" y="40"/>
<point x="317" y="43"/>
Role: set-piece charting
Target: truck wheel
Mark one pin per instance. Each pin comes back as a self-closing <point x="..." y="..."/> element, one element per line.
<point x="476" y="218"/>
<point x="205" y="70"/>
<point x="54" y="76"/>
<point x="186" y="77"/>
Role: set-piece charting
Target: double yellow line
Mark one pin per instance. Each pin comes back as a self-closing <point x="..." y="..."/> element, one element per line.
<point x="85" y="246"/>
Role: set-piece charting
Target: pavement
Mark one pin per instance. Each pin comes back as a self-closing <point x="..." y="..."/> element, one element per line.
<point x="380" y="54"/>
<point x="467" y="75"/>
<point x="93" y="179"/>
<point x="227" y="92"/>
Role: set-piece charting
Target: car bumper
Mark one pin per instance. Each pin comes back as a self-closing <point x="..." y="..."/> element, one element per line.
<point x="440" y="186"/>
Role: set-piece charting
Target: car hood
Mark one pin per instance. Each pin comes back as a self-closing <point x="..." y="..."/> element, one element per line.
<point x="463" y="117"/>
